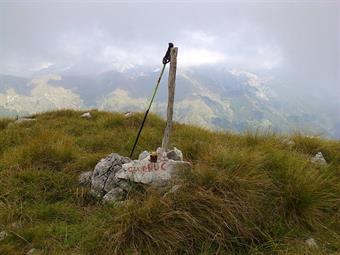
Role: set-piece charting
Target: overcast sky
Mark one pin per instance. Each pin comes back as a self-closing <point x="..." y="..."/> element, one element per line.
<point x="298" y="40"/>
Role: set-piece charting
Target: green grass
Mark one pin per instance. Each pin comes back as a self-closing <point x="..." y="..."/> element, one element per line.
<point x="247" y="194"/>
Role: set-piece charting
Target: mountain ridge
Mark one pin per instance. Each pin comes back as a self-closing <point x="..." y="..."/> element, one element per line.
<point x="217" y="98"/>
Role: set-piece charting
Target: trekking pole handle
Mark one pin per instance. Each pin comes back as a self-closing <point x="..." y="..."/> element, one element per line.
<point x="167" y="57"/>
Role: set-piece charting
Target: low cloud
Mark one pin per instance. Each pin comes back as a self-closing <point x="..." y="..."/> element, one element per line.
<point x="199" y="56"/>
<point x="296" y="41"/>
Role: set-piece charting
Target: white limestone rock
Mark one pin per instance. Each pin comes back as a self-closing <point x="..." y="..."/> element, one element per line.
<point x="157" y="174"/>
<point x="85" y="178"/>
<point x="311" y="243"/>
<point x="319" y="159"/>
<point x="86" y="115"/>
<point x="175" y="154"/>
<point x="22" y="120"/>
<point x="3" y="235"/>
<point x="288" y="142"/>
<point x="128" y="114"/>
<point x="104" y="174"/>
<point x="143" y="155"/>
<point x="114" y="195"/>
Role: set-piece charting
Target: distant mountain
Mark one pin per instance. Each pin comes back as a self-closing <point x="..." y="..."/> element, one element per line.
<point x="207" y="96"/>
<point x="38" y="95"/>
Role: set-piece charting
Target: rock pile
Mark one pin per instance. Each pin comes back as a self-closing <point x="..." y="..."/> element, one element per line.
<point x="112" y="177"/>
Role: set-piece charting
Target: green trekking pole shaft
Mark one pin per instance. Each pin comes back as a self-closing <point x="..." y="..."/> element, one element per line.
<point x="147" y="111"/>
<point x="166" y="60"/>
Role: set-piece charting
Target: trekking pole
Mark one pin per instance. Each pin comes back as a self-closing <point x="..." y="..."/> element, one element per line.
<point x="165" y="60"/>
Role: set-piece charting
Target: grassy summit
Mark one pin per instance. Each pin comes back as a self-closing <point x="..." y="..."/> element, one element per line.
<point x="247" y="194"/>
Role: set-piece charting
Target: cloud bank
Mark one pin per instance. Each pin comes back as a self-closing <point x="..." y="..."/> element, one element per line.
<point x="295" y="41"/>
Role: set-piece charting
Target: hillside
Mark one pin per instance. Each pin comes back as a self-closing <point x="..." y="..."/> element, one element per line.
<point x="255" y="193"/>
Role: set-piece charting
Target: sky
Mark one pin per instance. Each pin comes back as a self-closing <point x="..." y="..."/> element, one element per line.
<point x="296" y="41"/>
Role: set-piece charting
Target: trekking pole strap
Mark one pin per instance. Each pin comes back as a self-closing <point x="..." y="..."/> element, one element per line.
<point x="167" y="57"/>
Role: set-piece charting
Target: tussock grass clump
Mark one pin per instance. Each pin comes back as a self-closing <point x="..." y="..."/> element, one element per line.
<point x="4" y="123"/>
<point x="308" y="197"/>
<point x="246" y="194"/>
<point x="307" y="144"/>
<point x="307" y="191"/>
<point x="207" y="214"/>
<point x="33" y="185"/>
<point x="50" y="150"/>
<point x="11" y="137"/>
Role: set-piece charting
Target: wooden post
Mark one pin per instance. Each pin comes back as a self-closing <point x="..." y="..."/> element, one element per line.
<point x="171" y="97"/>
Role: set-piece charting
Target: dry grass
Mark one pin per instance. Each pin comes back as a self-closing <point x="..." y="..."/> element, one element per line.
<point x="247" y="194"/>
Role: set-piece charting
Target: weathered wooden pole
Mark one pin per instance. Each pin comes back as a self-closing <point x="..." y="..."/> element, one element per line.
<point x="171" y="97"/>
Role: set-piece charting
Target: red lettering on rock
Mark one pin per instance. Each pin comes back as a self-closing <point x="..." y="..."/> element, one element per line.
<point x="150" y="167"/>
